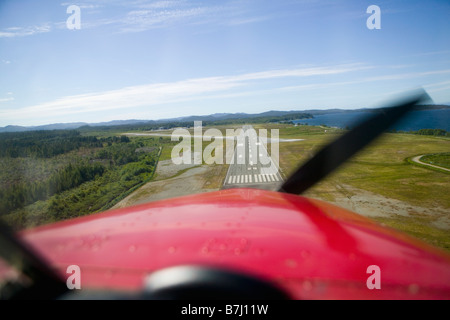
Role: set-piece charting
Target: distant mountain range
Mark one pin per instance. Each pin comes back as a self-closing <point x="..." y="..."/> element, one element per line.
<point x="211" y="117"/>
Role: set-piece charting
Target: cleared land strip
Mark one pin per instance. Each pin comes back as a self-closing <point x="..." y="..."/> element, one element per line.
<point x="199" y="177"/>
<point x="417" y="160"/>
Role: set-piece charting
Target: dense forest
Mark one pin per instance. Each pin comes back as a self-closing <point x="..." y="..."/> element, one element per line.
<point x="43" y="144"/>
<point x="52" y="175"/>
<point x="23" y="193"/>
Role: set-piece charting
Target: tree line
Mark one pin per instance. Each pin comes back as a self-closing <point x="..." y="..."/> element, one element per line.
<point x="44" y="144"/>
<point x="433" y="132"/>
<point x="426" y="132"/>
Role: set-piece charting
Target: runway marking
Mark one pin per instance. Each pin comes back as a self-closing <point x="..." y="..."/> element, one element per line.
<point x="253" y="178"/>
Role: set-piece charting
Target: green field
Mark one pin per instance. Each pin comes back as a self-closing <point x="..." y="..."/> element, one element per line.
<point x="382" y="169"/>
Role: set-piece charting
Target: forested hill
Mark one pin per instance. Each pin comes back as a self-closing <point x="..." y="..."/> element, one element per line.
<point x="43" y="144"/>
<point x="270" y="116"/>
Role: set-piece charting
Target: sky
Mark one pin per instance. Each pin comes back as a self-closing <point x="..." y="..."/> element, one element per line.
<point x="162" y="59"/>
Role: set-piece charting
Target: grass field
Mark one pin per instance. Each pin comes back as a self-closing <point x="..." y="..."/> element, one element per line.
<point x="381" y="170"/>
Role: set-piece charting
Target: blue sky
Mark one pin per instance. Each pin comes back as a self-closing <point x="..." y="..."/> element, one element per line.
<point x="161" y="59"/>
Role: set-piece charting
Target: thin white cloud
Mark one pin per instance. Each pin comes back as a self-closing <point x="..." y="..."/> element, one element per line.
<point x="301" y="72"/>
<point x="407" y="75"/>
<point x="159" y="4"/>
<point x="389" y="77"/>
<point x="247" y="20"/>
<point x="438" y="86"/>
<point x="6" y="99"/>
<point x="130" y="99"/>
<point x="12" y="32"/>
<point x="430" y="53"/>
<point x="82" y="5"/>
<point x="163" y="93"/>
<point x="143" y="15"/>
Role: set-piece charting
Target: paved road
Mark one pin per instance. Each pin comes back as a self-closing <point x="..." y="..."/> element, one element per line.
<point x="247" y="169"/>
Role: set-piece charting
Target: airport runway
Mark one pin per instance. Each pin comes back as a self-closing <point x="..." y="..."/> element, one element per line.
<point x="247" y="169"/>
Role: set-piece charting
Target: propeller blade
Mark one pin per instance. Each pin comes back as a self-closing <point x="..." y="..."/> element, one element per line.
<point x="340" y="150"/>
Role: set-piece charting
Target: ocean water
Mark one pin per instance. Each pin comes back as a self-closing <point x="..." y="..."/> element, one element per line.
<point x="416" y="120"/>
